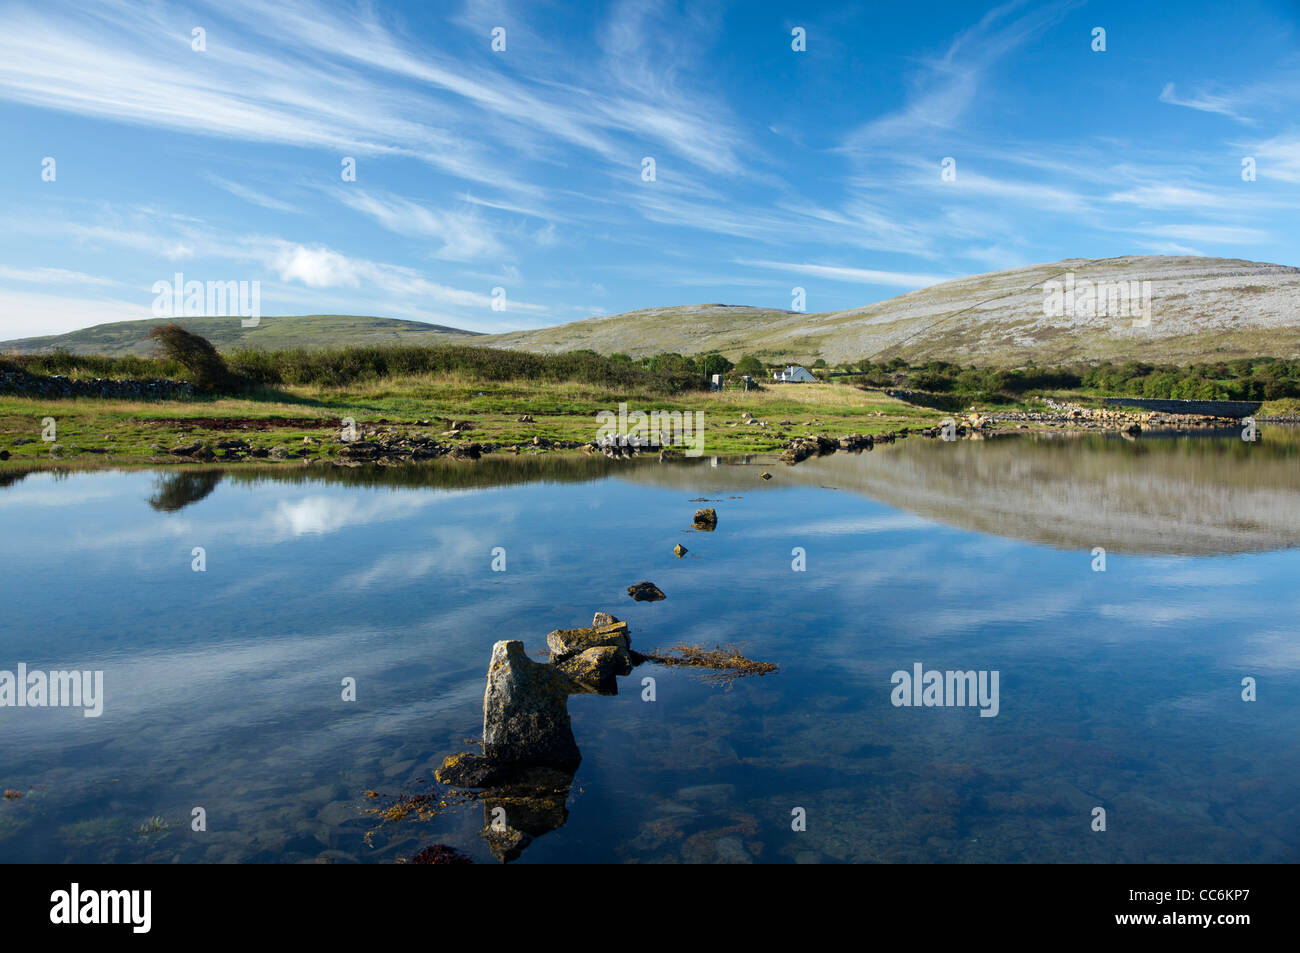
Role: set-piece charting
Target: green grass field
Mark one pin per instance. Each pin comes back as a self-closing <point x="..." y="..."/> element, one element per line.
<point x="97" y="431"/>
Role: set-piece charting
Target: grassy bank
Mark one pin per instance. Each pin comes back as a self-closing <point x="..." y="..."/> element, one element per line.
<point x="292" y="402"/>
<point x="138" y="432"/>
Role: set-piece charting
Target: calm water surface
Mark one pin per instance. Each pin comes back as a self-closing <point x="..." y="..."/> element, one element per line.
<point x="1119" y="689"/>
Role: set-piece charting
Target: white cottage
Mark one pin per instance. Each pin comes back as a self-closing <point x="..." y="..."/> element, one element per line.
<point x="794" y="374"/>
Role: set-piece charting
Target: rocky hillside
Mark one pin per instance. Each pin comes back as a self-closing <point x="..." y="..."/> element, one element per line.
<point x="1199" y="309"/>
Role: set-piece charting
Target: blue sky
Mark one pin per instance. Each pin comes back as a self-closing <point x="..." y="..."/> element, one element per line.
<point x="522" y="169"/>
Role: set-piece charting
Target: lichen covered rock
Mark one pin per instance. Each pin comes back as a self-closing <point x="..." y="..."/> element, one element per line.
<point x="597" y="668"/>
<point x="469" y="770"/>
<point x="566" y="642"/>
<point x="525" y="717"/>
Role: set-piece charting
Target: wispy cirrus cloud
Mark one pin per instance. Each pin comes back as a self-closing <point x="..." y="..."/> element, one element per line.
<point x="54" y="276"/>
<point x="249" y="194"/>
<point x="945" y="87"/>
<point x="857" y="276"/>
<point x="1223" y="105"/>
<point x="463" y="235"/>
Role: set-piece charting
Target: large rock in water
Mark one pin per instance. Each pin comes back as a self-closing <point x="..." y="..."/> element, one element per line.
<point x="525" y="716"/>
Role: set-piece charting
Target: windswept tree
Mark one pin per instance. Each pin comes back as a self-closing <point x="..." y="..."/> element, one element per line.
<point x="193" y="352"/>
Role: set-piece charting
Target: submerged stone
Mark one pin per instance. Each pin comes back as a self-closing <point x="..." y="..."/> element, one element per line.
<point x="469" y="771"/>
<point x="440" y="854"/>
<point x="507" y="843"/>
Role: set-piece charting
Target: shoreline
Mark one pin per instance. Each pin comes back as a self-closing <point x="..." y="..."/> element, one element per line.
<point x="390" y="448"/>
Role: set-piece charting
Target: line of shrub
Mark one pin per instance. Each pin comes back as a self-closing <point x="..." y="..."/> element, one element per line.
<point x="184" y="356"/>
<point x="1262" y="378"/>
<point x="341" y="366"/>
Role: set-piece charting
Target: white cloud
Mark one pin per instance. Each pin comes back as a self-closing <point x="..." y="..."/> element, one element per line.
<point x="48" y="275"/>
<point x="463" y="235"/>
<point x="315" y="267"/>
<point x="1166" y="196"/>
<point x="860" y="276"/>
<point x="1222" y="105"/>
<point x="251" y="195"/>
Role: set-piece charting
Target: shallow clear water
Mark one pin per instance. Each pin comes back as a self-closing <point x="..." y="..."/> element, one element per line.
<point x="1118" y="689"/>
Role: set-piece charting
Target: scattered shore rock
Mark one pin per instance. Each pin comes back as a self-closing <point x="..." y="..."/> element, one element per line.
<point x="706" y="519"/>
<point x="679" y="550"/>
<point x="801" y="448"/>
<point x="646" y="592"/>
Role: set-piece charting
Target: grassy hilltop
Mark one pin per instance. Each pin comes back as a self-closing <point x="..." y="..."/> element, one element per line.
<point x="121" y="338"/>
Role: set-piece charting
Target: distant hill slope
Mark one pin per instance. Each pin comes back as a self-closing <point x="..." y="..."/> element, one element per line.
<point x="1201" y="308"/>
<point x="308" y="330"/>
<point x="686" y="329"/>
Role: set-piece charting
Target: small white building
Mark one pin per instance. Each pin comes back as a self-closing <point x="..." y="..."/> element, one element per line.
<point x="794" y="374"/>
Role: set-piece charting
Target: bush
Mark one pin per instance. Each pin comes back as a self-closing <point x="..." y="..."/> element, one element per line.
<point x="193" y="352"/>
<point x="711" y="364"/>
